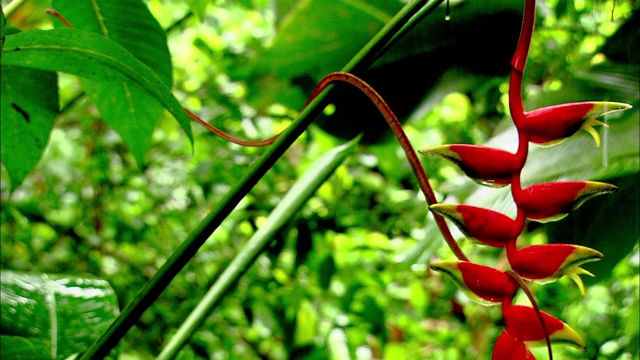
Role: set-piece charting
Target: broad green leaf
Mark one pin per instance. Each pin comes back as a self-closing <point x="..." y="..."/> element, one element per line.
<point x="132" y="112"/>
<point x="314" y="38"/>
<point x="320" y="36"/>
<point x="127" y="22"/>
<point x="283" y="213"/>
<point x="29" y="105"/>
<point x="129" y="110"/>
<point x="52" y="316"/>
<point x="283" y="7"/>
<point x="18" y="347"/>
<point x="91" y="56"/>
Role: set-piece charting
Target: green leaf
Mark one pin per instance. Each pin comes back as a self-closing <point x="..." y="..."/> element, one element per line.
<point x="131" y="112"/>
<point x="314" y="38"/>
<point x="90" y="56"/>
<point x="29" y="103"/>
<point x="319" y="36"/>
<point x="52" y="316"/>
<point x="124" y="22"/>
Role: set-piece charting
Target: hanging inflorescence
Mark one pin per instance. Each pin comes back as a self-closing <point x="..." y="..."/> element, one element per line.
<point x="524" y="326"/>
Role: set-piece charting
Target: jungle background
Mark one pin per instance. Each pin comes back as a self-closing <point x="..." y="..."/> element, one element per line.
<point x="348" y="278"/>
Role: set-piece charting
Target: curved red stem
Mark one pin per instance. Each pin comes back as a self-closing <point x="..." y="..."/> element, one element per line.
<point x="394" y="124"/>
<point x="524" y="42"/>
<point x="57" y="15"/>
<point x="534" y="303"/>
<point x="227" y="137"/>
<point x="396" y="127"/>
<point x="519" y="116"/>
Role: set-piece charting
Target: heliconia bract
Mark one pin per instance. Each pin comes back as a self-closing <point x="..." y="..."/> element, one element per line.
<point x="553" y="201"/>
<point x="487" y="166"/>
<point x="548" y="262"/>
<point x="522" y="322"/>
<point x="508" y="348"/>
<point x="482" y="225"/>
<point x="483" y="284"/>
<point x="550" y="125"/>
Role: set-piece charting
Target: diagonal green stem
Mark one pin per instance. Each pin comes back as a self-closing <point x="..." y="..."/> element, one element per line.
<point x="155" y="286"/>
<point x="11" y="7"/>
<point x="415" y="19"/>
<point x="287" y="208"/>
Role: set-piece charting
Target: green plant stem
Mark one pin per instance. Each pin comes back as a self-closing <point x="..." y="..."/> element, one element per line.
<point x="370" y="52"/>
<point x="287" y="208"/>
<point x="12" y="7"/>
<point x="415" y="19"/>
<point x="291" y="203"/>
<point x="154" y="287"/>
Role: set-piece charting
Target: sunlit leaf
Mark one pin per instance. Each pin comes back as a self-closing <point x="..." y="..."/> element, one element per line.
<point x="90" y="56"/>
<point x="52" y="316"/>
<point x="29" y="106"/>
<point x="132" y="112"/>
<point x="314" y="27"/>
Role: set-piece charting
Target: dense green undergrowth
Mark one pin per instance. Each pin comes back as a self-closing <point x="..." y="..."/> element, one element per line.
<point x="347" y="277"/>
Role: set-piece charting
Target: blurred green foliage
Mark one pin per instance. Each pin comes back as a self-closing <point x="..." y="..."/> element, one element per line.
<point x="335" y="283"/>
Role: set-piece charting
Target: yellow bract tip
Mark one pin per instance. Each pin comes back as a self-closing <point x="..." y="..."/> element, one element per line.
<point x="588" y="126"/>
<point x="574" y="274"/>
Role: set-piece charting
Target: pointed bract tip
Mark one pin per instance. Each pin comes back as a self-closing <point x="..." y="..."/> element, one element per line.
<point x="443" y="151"/>
<point x="522" y="322"/>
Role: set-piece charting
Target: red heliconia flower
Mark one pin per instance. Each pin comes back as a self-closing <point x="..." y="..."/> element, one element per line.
<point x="508" y="348"/>
<point x="550" y="125"/>
<point x="553" y="201"/>
<point x="483" y="284"/>
<point x="522" y="323"/>
<point x="549" y="262"/>
<point x="485" y="165"/>
<point x="482" y="225"/>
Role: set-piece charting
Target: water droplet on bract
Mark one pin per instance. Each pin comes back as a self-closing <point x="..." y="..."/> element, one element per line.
<point x="447" y="14"/>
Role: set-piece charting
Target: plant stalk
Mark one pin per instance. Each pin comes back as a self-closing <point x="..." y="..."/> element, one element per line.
<point x="287" y="209"/>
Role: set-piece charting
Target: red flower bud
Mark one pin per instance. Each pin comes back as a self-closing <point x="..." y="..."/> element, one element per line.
<point x="522" y="323"/>
<point x="508" y="348"/>
<point x="482" y="225"/>
<point x="483" y="284"/>
<point x="551" y="125"/>
<point x="485" y="165"/>
<point x="553" y="201"/>
<point x="546" y="263"/>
